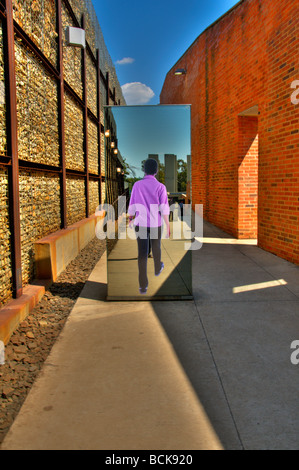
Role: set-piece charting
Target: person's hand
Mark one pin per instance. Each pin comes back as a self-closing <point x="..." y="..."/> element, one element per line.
<point x="168" y="231"/>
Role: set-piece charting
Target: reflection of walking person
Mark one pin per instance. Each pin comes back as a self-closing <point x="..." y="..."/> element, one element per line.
<point x="148" y="204"/>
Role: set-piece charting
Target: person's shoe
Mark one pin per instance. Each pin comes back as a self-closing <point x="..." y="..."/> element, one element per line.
<point x="161" y="269"/>
<point x="142" y="290"/>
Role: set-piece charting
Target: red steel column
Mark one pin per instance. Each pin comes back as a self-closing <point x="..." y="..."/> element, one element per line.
<point x="99" y="125"/>
<point x="12" y="141"/>
<point x="85" y="124"/>
<point x="61" y="117"/>
<point x="108" y="150"/>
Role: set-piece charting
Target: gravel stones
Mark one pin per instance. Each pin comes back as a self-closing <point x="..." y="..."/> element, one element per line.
<point x="32" y="342"/>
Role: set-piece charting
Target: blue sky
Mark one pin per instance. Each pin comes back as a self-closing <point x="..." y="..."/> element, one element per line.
<point x="145" y="38"/>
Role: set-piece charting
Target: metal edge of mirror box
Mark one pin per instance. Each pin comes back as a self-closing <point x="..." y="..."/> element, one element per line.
<point x="111" y="292"/>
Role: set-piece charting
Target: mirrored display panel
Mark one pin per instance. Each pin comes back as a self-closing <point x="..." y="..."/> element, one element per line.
<point x="148" y="193"/>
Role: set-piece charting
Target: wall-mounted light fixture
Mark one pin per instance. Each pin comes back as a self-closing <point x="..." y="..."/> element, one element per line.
<point x="118" y="170"/>
<point x="112" y="145"/>
<point x="115" y="151"/>
<point x="107" y="133"/>
<point x="180" y="72"/>
<point x="75" y="37"/>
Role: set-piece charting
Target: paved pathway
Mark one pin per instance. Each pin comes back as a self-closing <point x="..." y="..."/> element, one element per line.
<point x="209" y="373"/>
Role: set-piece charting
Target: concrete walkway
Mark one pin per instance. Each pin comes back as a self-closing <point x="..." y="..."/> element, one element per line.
<point x="210" y="373"/>
<point x="175" y="282"/>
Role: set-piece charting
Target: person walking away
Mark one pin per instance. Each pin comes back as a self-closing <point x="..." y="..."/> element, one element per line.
<point x="150" y="208"/>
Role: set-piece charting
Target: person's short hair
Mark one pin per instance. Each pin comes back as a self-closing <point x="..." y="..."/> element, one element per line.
<point x="150" y="166"/>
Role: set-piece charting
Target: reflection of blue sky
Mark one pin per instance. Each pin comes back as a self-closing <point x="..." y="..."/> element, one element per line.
<point x="144" y="130"/>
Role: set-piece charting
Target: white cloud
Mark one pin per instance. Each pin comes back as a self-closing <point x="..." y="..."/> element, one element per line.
<point x="137" y="93"/>
<point x="125" y="61"/>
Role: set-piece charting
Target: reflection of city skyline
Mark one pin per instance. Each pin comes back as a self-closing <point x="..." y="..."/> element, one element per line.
<point x="161" y="159"/>
<point x="154" y="130"/>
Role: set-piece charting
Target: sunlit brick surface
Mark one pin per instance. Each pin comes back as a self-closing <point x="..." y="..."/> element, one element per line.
<point x="248" y="58"/>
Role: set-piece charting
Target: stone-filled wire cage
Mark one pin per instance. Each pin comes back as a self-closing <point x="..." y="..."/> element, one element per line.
<point x="52" y="143"/>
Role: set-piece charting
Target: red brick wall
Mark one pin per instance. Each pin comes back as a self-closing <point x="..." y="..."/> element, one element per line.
<point x="247" y="58"/>
<point x="248" y="177"/>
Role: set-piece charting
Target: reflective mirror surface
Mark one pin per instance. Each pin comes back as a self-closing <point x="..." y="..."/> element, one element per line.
<point x="135" y="138"/>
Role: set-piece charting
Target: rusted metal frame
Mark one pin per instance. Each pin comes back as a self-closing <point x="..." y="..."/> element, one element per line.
<point x="92" y="116"/>
<point x="80" y="174"/>
<point x="78" y="25"/>
<point x="99" y="125"/>
<point x="105" y="81"/>
<point x="48" y="65"/>
<point x="89" y="50"/>
<point x="107" y="150"/>
<point x="112" y="96"/>
<point x="79" y="100"/>
<point x="66" y="87"/>
<point x="73" y="93"/>
<point x="2" y="11"/>
<point x="94" y="176"/>
<point x="21" y="34"/>
<point x="5" y="160"/>
<point x="61" y="115"/>
<point x="103" y="78"/>
<point x="85" y="122"/>
<point x="12" y="27"/>
<point x="71" y="12"/>
<point x="28" y="165"/>
<point x="34" y="166"/>
<point x="12" y="147"/>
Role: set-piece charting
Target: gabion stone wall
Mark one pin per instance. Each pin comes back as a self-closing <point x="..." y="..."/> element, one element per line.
<point x="40" y="213"/>
<point x="38" y="19"/>
<point x="5" y="244"/>
<point x="41" y="134"/>
<point x="93" y="196"/>
<point x="74" y="140"/>
<point x="75" y="191"/>
<point x="37" y="106"/>
<point x="71" y="57"/>
<point x="93" y="147"/>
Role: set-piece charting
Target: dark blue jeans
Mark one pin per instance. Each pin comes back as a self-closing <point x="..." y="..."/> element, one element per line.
<point x="145" y="237"/>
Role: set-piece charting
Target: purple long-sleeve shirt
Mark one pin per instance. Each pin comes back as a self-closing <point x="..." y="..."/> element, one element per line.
<point x="148" y="202"/>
